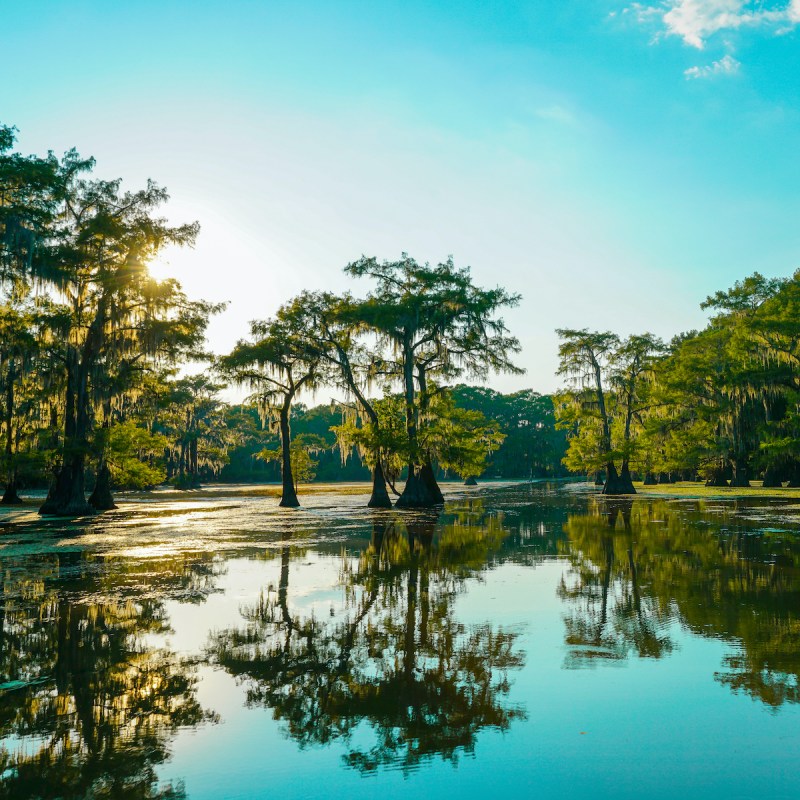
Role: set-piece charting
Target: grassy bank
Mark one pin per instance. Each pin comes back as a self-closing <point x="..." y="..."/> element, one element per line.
<point x="691" y="489"/>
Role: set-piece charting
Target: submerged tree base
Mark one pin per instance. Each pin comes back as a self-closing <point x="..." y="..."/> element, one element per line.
<point x="470" y="481"/>
<point x="380" y="495"/>
<point x="101" y="498"/>
<point x="66" y="497"/>
<point x="10" y="496"/>
<point x="618" y="484"/>
<point x="429" y="479"/>
<point x="416" y="494"/>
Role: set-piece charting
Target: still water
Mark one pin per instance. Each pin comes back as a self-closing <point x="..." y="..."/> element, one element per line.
<point x="529" y="641"/>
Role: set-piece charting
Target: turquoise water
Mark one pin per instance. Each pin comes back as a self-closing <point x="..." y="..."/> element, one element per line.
<point x="529" y="641"/>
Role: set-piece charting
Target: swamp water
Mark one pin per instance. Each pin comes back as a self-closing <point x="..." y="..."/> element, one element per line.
<point x="529" y="641"/>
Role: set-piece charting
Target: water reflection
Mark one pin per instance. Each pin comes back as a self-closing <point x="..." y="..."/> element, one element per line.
<point x="639" y="565"/>
<point x="88" y="702"/>
<point x="378" y="635"/>
<point x="394" y="657"/>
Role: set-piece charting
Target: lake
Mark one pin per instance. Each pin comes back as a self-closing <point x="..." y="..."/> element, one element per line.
<point x="531" y="640"/>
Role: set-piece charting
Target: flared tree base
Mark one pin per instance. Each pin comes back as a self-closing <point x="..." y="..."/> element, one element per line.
<point x="618" y="484"/>
<point x="101" y="498"/>
<point x="416" y="494"/>
<point x="773" y="479"/>
<point x="10" y="496"/>
<point x="380" y="495"/>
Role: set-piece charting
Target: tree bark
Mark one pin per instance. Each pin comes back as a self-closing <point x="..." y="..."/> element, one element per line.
<point x="289" y="495"/>
<point x="415" y="493"/>
<point x="773" y="478"/>
<point x="649" y="479"/>
<point x="67" y="497"/>
<point x="101" y="498"/>
<point x="617" y="484"/>
<point x="10" y="496"/>
<point x="429" y="479"/>
<point x="380" y="496"/>
<point x="740" y="478"/>
<point x="598" y="478"/>
<point x="470" y="481"/>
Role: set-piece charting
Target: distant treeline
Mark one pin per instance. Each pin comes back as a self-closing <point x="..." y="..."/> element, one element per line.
<point x="720" y="405"/>
<point x="532" y="447"/>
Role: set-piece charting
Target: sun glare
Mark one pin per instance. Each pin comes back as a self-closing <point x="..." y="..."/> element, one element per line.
<point x="160" y="268"/>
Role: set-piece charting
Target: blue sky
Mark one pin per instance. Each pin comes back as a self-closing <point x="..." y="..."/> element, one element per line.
<point x="614" y="162"/>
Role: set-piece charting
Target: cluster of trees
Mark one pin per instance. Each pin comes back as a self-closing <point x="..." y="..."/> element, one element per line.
<point x="417" y="326"/>
<point x="532" y="448"/>
<point x="721" y="404"/>
<point x="91" y="345"/>
<point x="88" y="339"/>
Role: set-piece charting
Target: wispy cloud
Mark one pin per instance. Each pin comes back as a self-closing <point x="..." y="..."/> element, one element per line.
<point x="557" y="113"/>
<point x="695" y="21"/>
<point x="727" y="65"/>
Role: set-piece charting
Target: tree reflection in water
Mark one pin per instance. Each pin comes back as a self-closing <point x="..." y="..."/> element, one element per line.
<point x="638" y="565"/>
<point x="395" y="660"/>
<point x="88" y="702"/>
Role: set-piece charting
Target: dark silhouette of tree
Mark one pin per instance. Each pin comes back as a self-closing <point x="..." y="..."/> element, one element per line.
<point x="432" y="320"/>
<point x="396" y="658"/>
<point x="280" y="362"/>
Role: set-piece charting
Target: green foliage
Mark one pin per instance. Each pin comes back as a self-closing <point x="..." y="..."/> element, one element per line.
<point x="135" y="456"/>
<point x="302" y="450"/>
<point x="460" y="440"/>
<point x="606" y="400"/>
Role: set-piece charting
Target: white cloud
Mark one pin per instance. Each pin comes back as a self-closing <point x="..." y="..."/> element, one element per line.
<point x="695" y="21"/>
<point x="727" y="65"/>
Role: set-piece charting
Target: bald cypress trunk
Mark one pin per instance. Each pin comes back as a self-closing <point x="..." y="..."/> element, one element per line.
<point x="416" y="493"/>
<point x="67" y="496"/>
<point x="10" y="496"/>
<point x="380" y="496"/>
<point x="740" y="477"/>
<point x="773" y="479"/>
<point x="617" y="483"/>
<point x="102" y="499"/>
<point x="429" y="479"/>
<point x="289" y="494"/>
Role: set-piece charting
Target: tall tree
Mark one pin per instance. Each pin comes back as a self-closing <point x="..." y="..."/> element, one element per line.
<point x="95" y="259"/>
<point x="278" y="363"/>
<point x="432" y="319"/>
<point x="583" y="359"/>
<point x="336" y="328"/>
